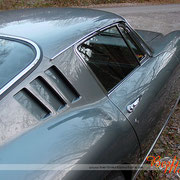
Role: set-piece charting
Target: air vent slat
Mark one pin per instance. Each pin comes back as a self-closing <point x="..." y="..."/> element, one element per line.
<point x="62" y="83"/>
<point x="47" y="93"/>
<point x="32" y="104"/>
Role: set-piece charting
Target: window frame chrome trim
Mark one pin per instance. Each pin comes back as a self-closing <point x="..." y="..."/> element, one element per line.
<point x="127" y="43"/>
<point x="82" y="59"/>
<point x="145" y="46"/>
<point x="85" y="37"/>
<point x="141" y="48"/>
<point x="38" y="55"/>
<point x="107" y="93"/>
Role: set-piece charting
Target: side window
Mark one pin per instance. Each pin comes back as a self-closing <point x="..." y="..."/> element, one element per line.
<point x="138" y="53"/>
<point x="15" y="56"/>
<point x="109" y="57"/>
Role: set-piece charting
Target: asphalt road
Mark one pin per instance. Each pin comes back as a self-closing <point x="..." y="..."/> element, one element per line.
<point x="159" y="18"/>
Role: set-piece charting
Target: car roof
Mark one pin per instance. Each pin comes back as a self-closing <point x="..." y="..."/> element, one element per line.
<point x="54" y="29"/>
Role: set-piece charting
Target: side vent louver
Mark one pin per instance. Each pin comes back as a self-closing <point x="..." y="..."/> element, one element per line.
<point x="48" y="93"/>
<point x="32" y="104"/>
<point x="41" y="97"/>
<point x="62" y="83"/>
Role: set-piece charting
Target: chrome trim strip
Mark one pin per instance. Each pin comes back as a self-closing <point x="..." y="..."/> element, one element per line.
<point x="146" y="47"/>
<point x="151" y="148"/>
<point x="34" y="62"/>
<point x="86" y="36"/>
<point x="136" y="41"/>
<point x="93" y="33"/>
<point x="82" y="59"/>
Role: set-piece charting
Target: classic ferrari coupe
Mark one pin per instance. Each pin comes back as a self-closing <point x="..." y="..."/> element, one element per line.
<point x="78" y="88"/>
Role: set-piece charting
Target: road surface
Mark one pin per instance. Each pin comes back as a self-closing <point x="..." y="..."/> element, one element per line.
<point x="159" y="18"/>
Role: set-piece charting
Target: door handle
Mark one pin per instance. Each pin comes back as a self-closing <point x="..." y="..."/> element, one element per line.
<point x="131" y="107"/>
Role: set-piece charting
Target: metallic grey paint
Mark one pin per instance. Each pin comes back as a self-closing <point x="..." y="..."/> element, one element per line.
<point x="37" y="52"/>
<point x="54" y="29"/>
<point x="96" y="128"/>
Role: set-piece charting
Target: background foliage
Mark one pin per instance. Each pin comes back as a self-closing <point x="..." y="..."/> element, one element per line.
<point x="16" y="4"/>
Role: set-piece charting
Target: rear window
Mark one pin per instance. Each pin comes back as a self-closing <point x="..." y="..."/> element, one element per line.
<point x="15" y="56"/>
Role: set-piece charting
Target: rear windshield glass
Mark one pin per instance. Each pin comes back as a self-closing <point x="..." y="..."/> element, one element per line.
<point x="14" y="58"/>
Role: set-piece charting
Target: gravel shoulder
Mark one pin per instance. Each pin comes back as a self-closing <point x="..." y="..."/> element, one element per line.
<point x="168" y="145"/>
<point x="158" y="18"/>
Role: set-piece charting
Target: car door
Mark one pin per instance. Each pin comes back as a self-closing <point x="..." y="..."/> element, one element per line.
<point x="147" y="94"/>
<point x="136" y="82"/>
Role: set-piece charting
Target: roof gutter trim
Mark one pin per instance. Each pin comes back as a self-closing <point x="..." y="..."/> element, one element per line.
<point x="84" y="37"/>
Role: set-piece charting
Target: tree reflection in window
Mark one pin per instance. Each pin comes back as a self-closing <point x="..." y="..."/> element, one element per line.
<point x="109" y="57"/>
<point x="14" y="58"/>
<point x="138" y="53"/>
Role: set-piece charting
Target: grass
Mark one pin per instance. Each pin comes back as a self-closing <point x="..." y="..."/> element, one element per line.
<point x="18" y="4"/>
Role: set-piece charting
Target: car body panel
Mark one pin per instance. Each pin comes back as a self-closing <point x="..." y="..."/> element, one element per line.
<point x="156" y="83"/>
<point x="13" y="123"/>
<point x="54" y="29"/>
<point x="76" y="136"/>
<point x="95" y="128"/>
<point x="148" y="36"/>
<point x="79" y="132"/>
